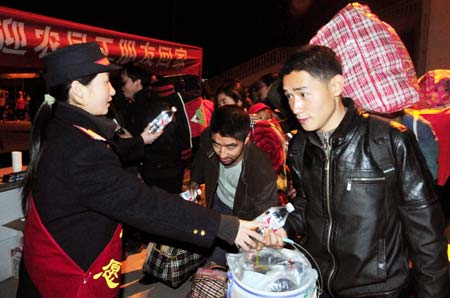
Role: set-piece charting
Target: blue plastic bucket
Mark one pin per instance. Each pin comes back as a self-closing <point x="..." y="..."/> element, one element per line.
<point x="308" y="288"/>
<point x="237" y="289"/>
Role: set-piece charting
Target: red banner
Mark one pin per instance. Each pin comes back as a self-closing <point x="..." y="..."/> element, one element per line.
<point x="26" y="37"/>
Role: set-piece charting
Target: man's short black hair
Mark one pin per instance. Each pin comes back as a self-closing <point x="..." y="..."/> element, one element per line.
<point x="230" y="121"/>
<point x="137" y="72"/>
<point x="319" y="61"/>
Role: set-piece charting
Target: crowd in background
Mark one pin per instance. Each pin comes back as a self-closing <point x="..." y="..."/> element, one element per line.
<point x="14" y="106"/>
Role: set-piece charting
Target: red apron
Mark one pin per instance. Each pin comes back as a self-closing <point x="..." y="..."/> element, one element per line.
<point x="55" y="274"/>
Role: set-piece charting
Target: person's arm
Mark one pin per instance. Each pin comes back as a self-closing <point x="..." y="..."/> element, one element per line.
<point x="131" y="149"/>
<point x="261" y="189"/>
<point x="295" y="223"/>
<point x="426" y="138"/>
<point x="105" y="187"/>
<point x="422" y="219"/>
<point x="240" y="232"/>
<point x="200" y="159"/>
<point x="429" y="146"/>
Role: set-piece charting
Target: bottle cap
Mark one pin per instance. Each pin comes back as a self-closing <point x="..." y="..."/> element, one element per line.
<point x="199" y="191"/>
<point x="173" y="109"/>
<point x="289" y="207"/>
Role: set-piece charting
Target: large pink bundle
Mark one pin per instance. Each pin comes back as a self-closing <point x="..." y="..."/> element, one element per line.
<point x="434" y="89"/>
<point x="379" y="73"/>
<point x="269" y="138"/>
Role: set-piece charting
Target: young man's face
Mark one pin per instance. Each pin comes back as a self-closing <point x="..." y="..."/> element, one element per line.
<point x="129" y="88"/>
<point x="229" y="150"/>
<point x="313" y="101"/>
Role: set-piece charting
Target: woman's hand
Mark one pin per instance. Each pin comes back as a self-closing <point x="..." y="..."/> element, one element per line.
<point x="150" y="137"/>
<point x="125" y="134"/>
<point x="274" y="239"/>
<point x="247" y="237"/>
<point x="193" y="186"/>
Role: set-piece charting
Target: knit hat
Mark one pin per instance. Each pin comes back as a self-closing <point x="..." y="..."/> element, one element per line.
<point x="255" y="108"/>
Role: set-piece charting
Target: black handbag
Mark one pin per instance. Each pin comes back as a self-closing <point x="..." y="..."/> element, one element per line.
<point x="170" y="264"/>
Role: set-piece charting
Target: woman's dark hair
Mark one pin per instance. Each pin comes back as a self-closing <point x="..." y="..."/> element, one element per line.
<point x="39" y="133"/>
<point x="268" y="78"/>
<point x="233" y="91"/>
<point x="230" y="121"/>
<point x="319" y="61"/>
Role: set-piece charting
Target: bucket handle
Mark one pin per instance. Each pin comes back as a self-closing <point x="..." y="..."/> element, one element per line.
<point x="301" y="249"/>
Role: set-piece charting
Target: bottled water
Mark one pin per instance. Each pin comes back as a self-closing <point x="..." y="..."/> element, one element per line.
<point x="164" y="118"/>
<point x="119" y="129"/>
<point x="186" y="195"/>
<point x="275" y="216"/>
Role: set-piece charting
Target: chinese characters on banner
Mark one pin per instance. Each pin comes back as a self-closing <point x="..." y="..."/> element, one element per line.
<point x="26" y="37"/>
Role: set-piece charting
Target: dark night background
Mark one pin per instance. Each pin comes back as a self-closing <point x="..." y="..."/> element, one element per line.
<point x="230" y="32"/>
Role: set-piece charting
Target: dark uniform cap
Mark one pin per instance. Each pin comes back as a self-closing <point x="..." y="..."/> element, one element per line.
<point x="75" y="61"/>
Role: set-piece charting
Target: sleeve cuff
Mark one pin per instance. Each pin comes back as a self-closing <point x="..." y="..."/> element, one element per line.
<point x="228" y="228"/>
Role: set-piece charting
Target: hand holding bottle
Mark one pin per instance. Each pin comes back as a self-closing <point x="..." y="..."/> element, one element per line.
<point x="275" y="217"/>
<point x="191" y="195"/>
<point x="149" y="137"/>
<point x="247" y="237"/>
<point x="275" y="238"/>
<point x="160" y="121"/>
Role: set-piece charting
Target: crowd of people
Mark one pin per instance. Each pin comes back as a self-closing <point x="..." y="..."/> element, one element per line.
<point x="13" y="108"/>
<point x="94" y="166"/>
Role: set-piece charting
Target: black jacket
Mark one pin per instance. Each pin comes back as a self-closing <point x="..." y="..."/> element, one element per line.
<point x="163" y="157"/>
<point x="256" y="190"/>
<point x="83" y="193"/>
<point x="361" y="228"/>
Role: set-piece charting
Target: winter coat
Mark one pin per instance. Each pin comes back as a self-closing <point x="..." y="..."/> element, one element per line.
<point x="361" y="226"/>
<point x="256" y="189"/>
<point x="82" y="193"/>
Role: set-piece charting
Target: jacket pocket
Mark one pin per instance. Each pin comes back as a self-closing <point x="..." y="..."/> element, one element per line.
<point x="352" y="180"/>
<point x="363" y="202"/>
<point x="360" y="246"/>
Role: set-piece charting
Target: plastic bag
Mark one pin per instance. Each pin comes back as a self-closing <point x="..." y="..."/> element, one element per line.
<point x="271" y="270"/>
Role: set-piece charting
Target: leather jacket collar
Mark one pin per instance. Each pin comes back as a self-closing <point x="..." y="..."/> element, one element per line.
<point x="343" y="133"/>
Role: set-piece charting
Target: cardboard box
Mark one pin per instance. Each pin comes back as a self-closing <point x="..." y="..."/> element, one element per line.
<point x="10" y="252"/>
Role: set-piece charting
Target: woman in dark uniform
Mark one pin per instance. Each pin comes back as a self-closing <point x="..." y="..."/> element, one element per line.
<point x="77" y="193"/>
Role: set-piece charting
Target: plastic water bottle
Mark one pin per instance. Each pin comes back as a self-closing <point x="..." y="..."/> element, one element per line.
<point x="164" y="118"/>
<point x="119" y="130"/>
<point x="186" y="195"/>
<point x="275" y="216"/>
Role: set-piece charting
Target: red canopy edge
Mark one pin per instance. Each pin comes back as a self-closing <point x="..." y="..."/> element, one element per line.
<point x="27" y="37"/>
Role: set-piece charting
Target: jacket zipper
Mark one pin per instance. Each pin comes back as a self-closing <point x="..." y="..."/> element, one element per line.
<point x="350" y="180"/>
<point x="327" y="149"/>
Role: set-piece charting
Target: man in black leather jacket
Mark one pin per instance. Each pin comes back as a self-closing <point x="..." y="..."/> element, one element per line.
<point x="361" y="226"/>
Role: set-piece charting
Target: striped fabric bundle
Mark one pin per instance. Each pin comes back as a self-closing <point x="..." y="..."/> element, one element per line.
<point x="379" y="73"/>
<point x="434" y="89"/>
